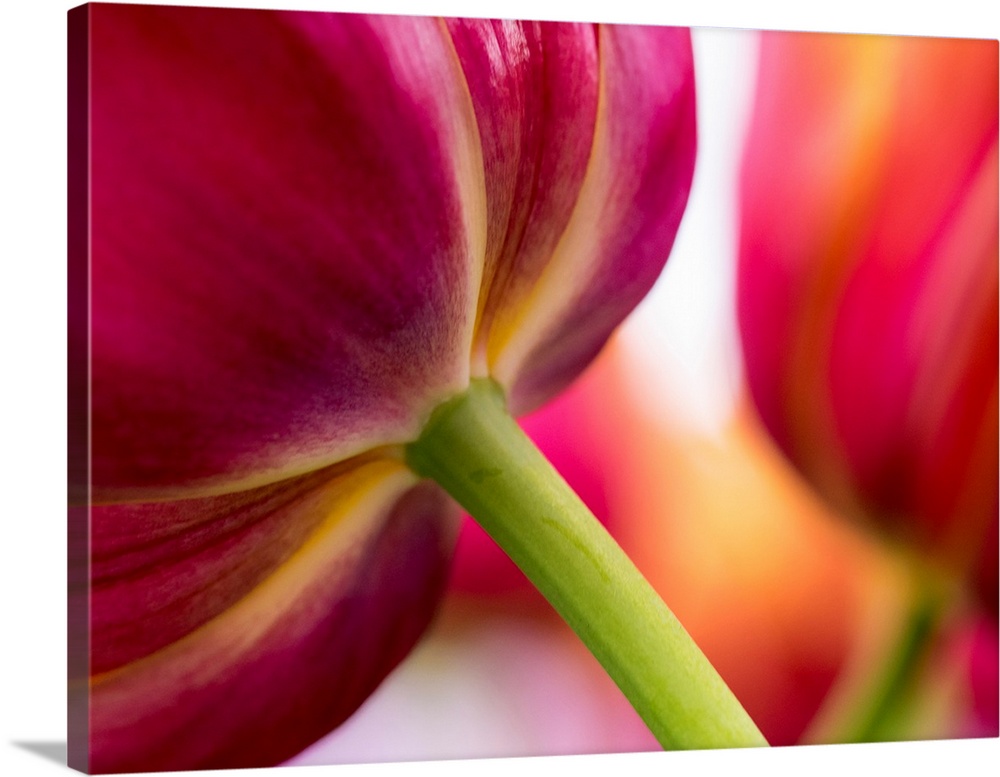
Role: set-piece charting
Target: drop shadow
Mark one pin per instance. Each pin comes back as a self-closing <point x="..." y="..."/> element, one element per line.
<point x="51" y="751"/>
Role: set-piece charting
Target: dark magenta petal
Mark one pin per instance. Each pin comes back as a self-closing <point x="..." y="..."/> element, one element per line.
<point x="300" y="651"/>
<point x="287" y="231"/>
<point x="161" y="570"/>
<point x="868" y="285"/>
<point x="625" y="220"/>
<point x="534" y="86"/>
<point x="298" y="219"/>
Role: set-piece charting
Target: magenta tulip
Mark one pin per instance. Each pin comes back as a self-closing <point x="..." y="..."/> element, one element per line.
<point x="307" y="231"/>
<point x="868" y="282"/>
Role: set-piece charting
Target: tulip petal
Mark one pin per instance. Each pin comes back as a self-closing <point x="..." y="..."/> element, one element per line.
<point x="625" y="221"/>
<point x="296" y="655"/>
<point x="287" y="232"/>
<point x="794" y="147"/>
<point x="534" y="86"/>
<point x="161" y="570"/>
<point x="916" y="409"/>
<point x="868" y="287"/>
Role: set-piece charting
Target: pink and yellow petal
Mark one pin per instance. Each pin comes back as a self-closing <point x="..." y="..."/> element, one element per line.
<point x="534" y="86"/>
<point x="161" y="570"/>
<point x="868" y="276"/>
<point x="916" y="407"/>
<point x="626" y="217"/>
<point x="287" y="230"/>
<point x="298" y="653"/>
<point x="806" y="183"/>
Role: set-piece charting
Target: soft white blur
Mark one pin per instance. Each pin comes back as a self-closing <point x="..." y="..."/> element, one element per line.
<point x="683" y="335"/>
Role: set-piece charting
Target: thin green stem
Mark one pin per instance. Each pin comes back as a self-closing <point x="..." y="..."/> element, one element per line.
<point x="882" y="714"/>
<point x="474" y="449"/>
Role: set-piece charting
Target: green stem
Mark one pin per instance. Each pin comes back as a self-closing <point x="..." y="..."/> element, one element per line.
<point x="883" y="713"/>
<point x="474" y="449"/>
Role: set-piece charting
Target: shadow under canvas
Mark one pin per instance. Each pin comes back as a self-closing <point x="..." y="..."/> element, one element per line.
<point x="51" y="751"/>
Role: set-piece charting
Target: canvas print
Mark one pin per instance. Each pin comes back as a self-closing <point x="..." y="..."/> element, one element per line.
<point x="457" y="388"/>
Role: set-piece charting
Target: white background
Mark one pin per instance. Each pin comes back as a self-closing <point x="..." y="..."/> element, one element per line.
<point x="32" y="389"/>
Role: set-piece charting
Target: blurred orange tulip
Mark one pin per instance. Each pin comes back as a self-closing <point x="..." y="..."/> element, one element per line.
<point x="868" y="281"/>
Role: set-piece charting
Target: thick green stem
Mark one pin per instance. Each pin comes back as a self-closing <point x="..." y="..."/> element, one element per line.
<point x="474" y="449"/>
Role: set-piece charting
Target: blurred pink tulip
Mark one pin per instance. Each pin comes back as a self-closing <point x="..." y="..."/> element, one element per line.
<point x="868" y="282"/>
<point x="306" y="231"/>
<point x="984" y="681"/>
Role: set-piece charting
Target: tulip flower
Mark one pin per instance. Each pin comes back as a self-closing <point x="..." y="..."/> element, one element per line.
<point x="329" y="255"/>
<point x="868" y="281"/>
<point x="868" y="276"/>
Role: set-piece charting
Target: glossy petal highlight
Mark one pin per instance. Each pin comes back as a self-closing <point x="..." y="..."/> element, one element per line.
<point x="535" y="87"/>
<point x="625" y="221"/>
